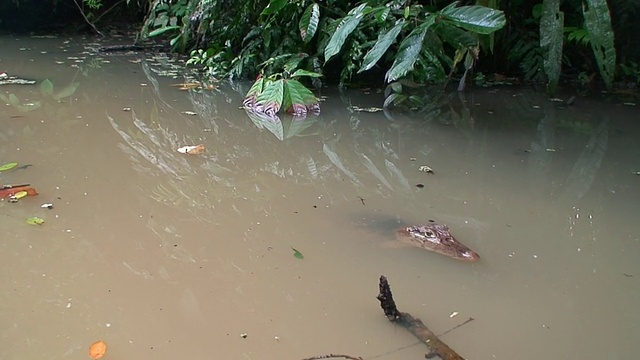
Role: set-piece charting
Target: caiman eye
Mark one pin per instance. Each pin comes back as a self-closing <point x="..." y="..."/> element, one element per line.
<point x="429" y="233"/>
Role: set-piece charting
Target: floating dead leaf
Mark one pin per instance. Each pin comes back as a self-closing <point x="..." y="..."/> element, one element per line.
<point x="97" y="349"/>
<point x="7" y="191"/>
<point x="126" y="109"/>
<point x="192" y="149"/>
<point x="191" y="113"/>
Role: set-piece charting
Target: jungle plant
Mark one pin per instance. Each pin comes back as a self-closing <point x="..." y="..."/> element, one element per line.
<point x="595" y="31"/>
<point x="427" y="38"/>
<point x="278" y="91"/>
<point x="170" y="17"/>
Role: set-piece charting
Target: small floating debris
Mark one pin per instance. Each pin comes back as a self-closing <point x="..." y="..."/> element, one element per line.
<point x="367" y="109"/>
<point x="190" y="113"/>
<point x="192" y="149"/>
<point x="47" y="206"/>
<point x="297" y="254"/>
<point x="453" y="314"/>
<point x="126" y="109"/>
<point x="426" y="169"/>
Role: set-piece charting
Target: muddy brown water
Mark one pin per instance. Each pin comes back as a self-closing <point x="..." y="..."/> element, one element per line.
<point x="169" y="256"/>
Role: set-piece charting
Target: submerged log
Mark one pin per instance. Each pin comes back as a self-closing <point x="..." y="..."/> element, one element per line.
<point x="435" y="346"/>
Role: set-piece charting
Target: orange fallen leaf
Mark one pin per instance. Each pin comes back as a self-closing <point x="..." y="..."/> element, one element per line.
<point x="199" y="149"/>
<point x="5" y="193"/>
<point x="97" y="349"/>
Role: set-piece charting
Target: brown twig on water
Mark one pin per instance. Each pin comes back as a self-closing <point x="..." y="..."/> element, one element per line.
<point x="330" y="356"/>
<point x="414" y="325"/>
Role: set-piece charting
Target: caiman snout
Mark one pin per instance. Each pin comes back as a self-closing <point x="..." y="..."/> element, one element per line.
<point x="437" y="238"/>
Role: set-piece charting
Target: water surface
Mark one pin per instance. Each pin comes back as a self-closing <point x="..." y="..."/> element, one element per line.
<point x="174" y="256"/>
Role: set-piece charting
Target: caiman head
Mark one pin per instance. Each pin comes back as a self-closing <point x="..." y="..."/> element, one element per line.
<point x="437" y="238"/>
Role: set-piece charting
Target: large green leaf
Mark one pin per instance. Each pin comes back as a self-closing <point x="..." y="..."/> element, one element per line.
<point x="163" y="30"/>
<point x="380" y="13"/>
<point x="456" y="37"/>
<point x="384" y="41"/>
<point x="409" y="51"/>
<point x="274" y="6"/>
<point x="551" y="25"/>
<point x="252" y="95"/>
<point x="478" y="19"/>
<point x="297" y="98"/>
<point x="345" y="27"/>
<point x="309" y="22"/>
<point x="302" y="72"/>
<point x="271" y="97"/>
<point x="597" y="20"/>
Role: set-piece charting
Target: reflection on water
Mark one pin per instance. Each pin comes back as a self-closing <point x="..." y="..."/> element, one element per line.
<point x="168" y="255"/>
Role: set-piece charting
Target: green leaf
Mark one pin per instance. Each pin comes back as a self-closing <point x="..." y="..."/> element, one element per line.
<point x="274" y="6"/>
<point x="302" y="72"/>
<point x="46" y="87"/>
<point x="8" y="166"/>
<point x="254" y="91"/>
<point x="394" y="99"/>
<point x="297" y="254"/>
<point x="293" y="63"/>
<point x="409" y="51"/>
<point x="551" y="28"/>
<point x="35" y="221"/>
<point x="478" y="19"/>
<point x="456" y="37"/>
<point x="381" y="14"/>
<point x="309" y="22"/>
<point x="344" y="29"/>
<point x="271" y="96"/>
<point x="597" y="20"/>
<point x="297" y="98"/>
<point x="163" y="30"/>
<point x="381" y="46"/>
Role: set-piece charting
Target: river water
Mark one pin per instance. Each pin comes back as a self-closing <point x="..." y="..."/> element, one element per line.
<point x="170" y="256"/>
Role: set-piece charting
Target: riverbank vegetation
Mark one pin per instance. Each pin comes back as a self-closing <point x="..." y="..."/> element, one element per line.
<point x="588" y="43"/>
